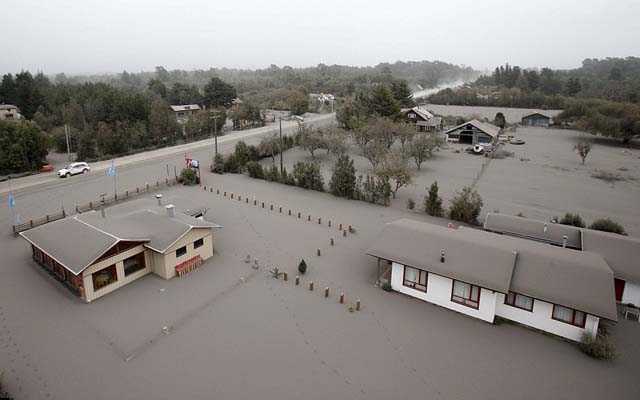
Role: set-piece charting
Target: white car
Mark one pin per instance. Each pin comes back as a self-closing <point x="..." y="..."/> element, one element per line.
<point x="73" y="169"/>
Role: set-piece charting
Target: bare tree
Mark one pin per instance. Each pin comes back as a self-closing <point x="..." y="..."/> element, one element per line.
<point x="395" y="167"/>
<point x="422" y="146"/>
<point x="375" y="138"/>
<point x="270" y="146"/>
<point x="405" y="133"/>
<point x="583" y="147"/>
<point x="312" y="139"/>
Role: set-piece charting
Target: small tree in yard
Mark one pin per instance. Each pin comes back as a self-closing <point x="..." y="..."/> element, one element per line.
<point x="500" y="120"/>
<point x="433" y="202"/>
<point x="607" y="225"/>
<point x="302" y="267"/>
<point x="573" y="220"/>
<point x="188" y="176"/>
<point x="422" y="146"/>
<point x="269" y="147"/>
<point x="395" y="167"/>
<point x="312" y="139"/>
<point x="242" y="154"/>
<point x="466" y="206"/>
<point x="599" y="347"/>
<point x="583" y="147"/>
<point x="343" y="178"/>
<point x="218" y="164"/>
<point x="405" y="133"/>
<point x="254" y="169"/>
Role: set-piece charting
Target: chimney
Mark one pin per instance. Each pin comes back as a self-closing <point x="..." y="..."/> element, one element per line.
<point x="564" y="240"/>
<point x="159" y="198"/>
<point x="546" y="226"/>
<point x="102" y="212"/>
<point x="442" y="256"/>
<point x="169" y="209"/>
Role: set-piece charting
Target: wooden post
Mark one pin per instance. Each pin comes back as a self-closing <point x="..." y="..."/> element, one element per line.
<point x="309" y="218"/>
<point x="332" y="241"/>
<point x="225" y="194"/>
<point x="137" y="190"/>
<point x="217" y="191"/>
<point x="326" y="292"/>
<point x="147" y="186"/>
<point x="298" y="214"/>
<point x="329" y="223"/>
<point x="319" y="220"/>
<point x="344" y="233"/>
<point x="358" y="305"/>
<point x="232" y="195"/>
<point x="280" y="210"/>
<point x="255" y="202"/>
<point x="289" y="212"/>
<point x="286" y="277"/>
<point x="126" y="193"/>
<point x="205" y="188"/>
<point x="318" y="251"/>
<point x="271" y="207"/>
<point x="311" y="285"/>
<point x="90" y="205"/>
<point x="47" y="217"/>
<point x="340" y="228"/>
<point x="297" y="280"/>
<point x="211" y="190"/>
<point x="246" y="200"/>
<point x="341" y="298"/>
<point x="350" y="229"/>
<point x="263" y="204"/>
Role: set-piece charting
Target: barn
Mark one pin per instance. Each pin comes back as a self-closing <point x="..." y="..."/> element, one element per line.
<point x="536" y="119"/>
<point x="473" y="132"/>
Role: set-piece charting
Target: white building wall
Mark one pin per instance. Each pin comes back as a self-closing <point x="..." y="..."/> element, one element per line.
<point x="631" y="293"/>
<point x="118" y="260"/>
<point x="166" y="266"/>
<point x="439" y="292"/>
<point x="540" y="318"/>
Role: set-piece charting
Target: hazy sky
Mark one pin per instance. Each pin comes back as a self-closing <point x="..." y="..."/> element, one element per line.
<point x="93" y="36"/>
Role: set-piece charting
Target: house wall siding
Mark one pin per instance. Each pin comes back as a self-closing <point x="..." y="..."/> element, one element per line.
<point x="439" y="292"/>
<point x="631" y="293"/>
<point x="165" y="264"/>
<point x="540" y="318"/>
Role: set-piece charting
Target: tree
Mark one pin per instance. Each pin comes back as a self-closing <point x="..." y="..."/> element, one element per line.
<point x="302" y="266"/>
<point x="162" y="122"/>
<point x="395" y="167"/>
<point x="254" y="169"/>
<point x="181" y="93"/>
<point x="500" y="120"/>
<point x="73" y="114"/>
<point x="381" y="103"/>
<point x="188" y="176"/>
<point x="405" y="133"/>
<point x="158" y="87"/>
<point x="573" y="220"/>
<point x="607" y="225"/>
<point x="583" y="147"/>
<point x="343" y="177"/>
<point x="573" y="86"/>
<point x="23" y="146"/>
<point x="269" y="146"/>
<point x="241" y="153"/>
<point x="402" y="93"/>
<point x="422" y="146"/>
<point x="312" y="139"/>
<point x="433" y="202"/>
<point x="466" y="206"/>
<point x="218" y="164"/>
<point x="8" y="89"/>
<point x="375" y="138"/>
<point x="219" y="94"/>
<point x="298" y="102"/>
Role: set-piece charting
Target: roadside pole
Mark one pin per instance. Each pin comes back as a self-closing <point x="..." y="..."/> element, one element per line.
<point x="281" y="148"/>
<point x="66" y="135"/>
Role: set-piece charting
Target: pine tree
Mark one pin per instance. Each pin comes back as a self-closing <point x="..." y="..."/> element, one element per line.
<point x="343" y="178"/>
<point x="218" y="164"/>
<point x="433" y="202"/>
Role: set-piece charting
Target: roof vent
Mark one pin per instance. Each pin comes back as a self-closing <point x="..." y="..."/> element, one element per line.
<point x="169" y="209"/>
<point x="159" y="198"/>
<point x="546" y="226"/>
<point x="442" y="256"/>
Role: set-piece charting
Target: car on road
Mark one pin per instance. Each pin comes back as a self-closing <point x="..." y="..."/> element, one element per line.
<point x="73" y="169"/>
<point x="296" y="118"/>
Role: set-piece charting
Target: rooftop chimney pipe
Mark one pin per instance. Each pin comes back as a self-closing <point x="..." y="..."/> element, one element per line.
<point x="442" y="256"/>
<point x="159" y="198"/>
<point x="546" y="226"/>
<point x="564" y="240"/>
<point x="169" y="210"/>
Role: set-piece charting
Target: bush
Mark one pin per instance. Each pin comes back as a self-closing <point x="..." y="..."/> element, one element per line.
<point x="343" y="178"/>
<point x="232" y="165"/>
<point x="188" y="176"/>
<point x="308" y="176"/>
<point x="376" y="190"/>
<point x="272" y="174"/>
<point x="607" y="225"/>
<point x="254" y="169"/>
<point x="466" y="206"/>
<point x="573" y="220"/>
<point x="433" y="202"/>
<point x="218" y="164"/>
<point x="387" y="287"/>
<point x="241" y="153"/>
<point x="302" y="267"/>
<point x="607" y="176"/>
<point x="501" y="154"/>
<point x="411" y="204"/>
<point x="600" y="347"/>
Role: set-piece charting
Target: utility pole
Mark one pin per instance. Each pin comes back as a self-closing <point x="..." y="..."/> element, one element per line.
<point x="215" y="128"/>
<point x="66" y="135"/>
<point x="281" y="148"/>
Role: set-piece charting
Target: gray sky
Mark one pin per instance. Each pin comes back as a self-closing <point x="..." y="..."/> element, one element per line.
<point x="94" y="36"/>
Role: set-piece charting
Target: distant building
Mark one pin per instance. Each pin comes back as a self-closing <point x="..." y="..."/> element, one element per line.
<point x="474" y="132"/>
<point x="95" y="253"/>
<point x="423" y="120"/>
<point x="183" y="112"/>
<point x="9" y="112"/>
<point x="536" y="119"/>
<point x="481" y="274"/>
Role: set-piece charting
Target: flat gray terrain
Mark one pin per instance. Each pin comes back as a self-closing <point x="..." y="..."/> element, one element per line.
<point x="271" y="339"/>
<point x="512" y="115"/>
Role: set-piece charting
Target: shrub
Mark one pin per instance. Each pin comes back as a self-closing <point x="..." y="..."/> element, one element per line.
<point x="302" y="267"/>
<point x="188" y="176"/>
<point x="466" y="206"/>
<point x="218" y="164"/>
<point x="308" y="176"/>
<point x="607" y="176"/>
<point x="343" y="178"/>
<point x="232" y="165"/>
<point x="433" y="202"/>
<point x="607" y="225"/>
<point x="501" y="153"/>
<point x="387" y="287"/>
<point x="411" y="204"/>
<point x="376" y="190"/>
<point x="241" y="153"/>
<point x="573" y="220"/>
<point x="272" y="174"/>
<point x="254" y="169"/>
<point x="599" y="347"/>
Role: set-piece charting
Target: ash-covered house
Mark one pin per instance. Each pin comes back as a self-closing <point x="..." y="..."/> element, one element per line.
<point x="536" y="119"/>
<point x="423" y="120"/>
<point x="97" y="252"/>
<point x="474" y="132"/>
<point x="622" y="253"/>
<point x="183" y="112"/>
<point x="481" y="274"/>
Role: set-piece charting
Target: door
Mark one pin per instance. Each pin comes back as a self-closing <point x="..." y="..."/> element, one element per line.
<point x="619" y="285"/>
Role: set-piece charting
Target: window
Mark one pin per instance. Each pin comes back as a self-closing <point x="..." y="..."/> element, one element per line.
<point x="134" y="264"/>
<point x="569" y="316"/>
<point x="415" y="278"/>
<point x="198" y="243"/>
<point x="466" y="294"/>
<point x="104" y="277"/>
<point x="519" y="301"/>
<point x="181" y="251"/>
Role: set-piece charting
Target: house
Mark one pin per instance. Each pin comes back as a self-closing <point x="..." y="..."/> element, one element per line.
<point x="423" y="120"/>
<point x="480" y="274"/>
<point x="9" y="112"/>
<point x="95" y="253"/>
<point x="536" y="119"/>
<point x="620" y="252"/>
<point x="183" y="112"/>
<point x="474" y="132"/>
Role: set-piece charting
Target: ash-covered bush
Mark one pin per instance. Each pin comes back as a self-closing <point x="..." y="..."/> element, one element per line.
<point x="599" y="347"/>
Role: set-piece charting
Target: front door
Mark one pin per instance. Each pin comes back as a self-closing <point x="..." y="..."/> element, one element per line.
<point x="619" y="285"/>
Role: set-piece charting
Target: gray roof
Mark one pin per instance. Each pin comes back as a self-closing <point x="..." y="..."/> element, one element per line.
<point x="572" y="278"/>
<point x="536" y="113"/>
<point x="186" y="107"/>
<point x="76" y="242"/>
<point x="533" y="229"/>
<point x="622" y="253"/>
<point x="485" y="127"/>
<point x="420" y="244"/>
<point x="182" y="205"/>
<point x="8" y="107"/>
<point x="435" y="121"/>
<point x="422" y="112"/>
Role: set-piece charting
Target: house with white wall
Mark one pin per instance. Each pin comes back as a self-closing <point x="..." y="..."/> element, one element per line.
<point x="95" y="253"/>
<point x="483" y="275"/>
<point x="474" y="132"/>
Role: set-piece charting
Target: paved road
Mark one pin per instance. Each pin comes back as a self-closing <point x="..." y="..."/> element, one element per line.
<point x="46" y="193"/>
<point x="196" y="150"/>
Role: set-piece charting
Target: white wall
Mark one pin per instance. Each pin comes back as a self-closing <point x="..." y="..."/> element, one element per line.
<point x="631" y="293"/>
<point x="439" y="292"/>
<point x="540" y="318"/>
<point x="165" y="265"/>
